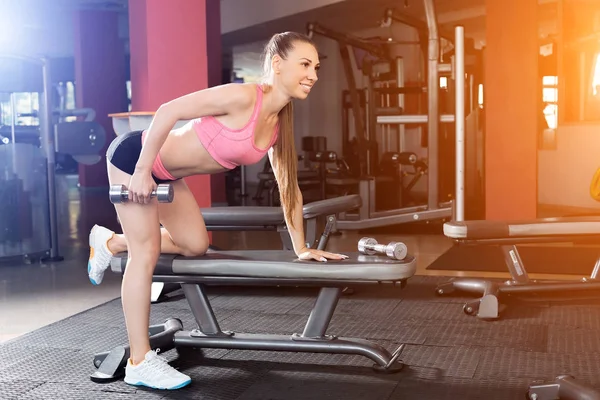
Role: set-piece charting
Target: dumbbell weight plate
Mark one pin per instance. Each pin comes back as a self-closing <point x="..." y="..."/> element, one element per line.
<point x="165" y="193"/>
<point x="396" y="250"/>
<point x="116" y="193"/>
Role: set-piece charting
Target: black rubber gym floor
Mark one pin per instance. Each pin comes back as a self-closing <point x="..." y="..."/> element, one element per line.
<point x="449" y="355"/>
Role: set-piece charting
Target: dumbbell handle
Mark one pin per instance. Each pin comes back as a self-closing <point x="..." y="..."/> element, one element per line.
<point x="125" y="193"/>
<point x="380" y="248"/>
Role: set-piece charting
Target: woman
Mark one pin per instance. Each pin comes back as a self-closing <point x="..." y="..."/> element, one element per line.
<point x="230" y="125"/>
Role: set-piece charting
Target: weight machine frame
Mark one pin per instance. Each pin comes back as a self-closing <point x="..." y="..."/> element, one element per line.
<point x="367" y="217"/>
<point x="48" y="146"/>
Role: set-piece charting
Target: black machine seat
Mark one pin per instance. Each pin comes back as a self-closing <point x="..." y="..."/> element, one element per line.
<point x="270" y="216"/>
<point x="508" y="235"/>
<point x="551" y="228"/>
<point x="260" y="265"/>
<point x="332" y="206"/>
<point x="243" y="216"/>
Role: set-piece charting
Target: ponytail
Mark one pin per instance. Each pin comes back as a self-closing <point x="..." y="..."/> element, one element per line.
<point x="286" y="170"/>
<point x="286" y="166"/>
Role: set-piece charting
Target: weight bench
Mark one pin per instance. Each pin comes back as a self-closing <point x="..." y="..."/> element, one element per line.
<point x="263" y="268"/>
<point x="508" y="235"/>
<point x="259" y="218"/>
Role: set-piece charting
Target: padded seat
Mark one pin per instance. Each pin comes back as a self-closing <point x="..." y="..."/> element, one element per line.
<point x="262" y="216"/>
<point x="243" y="216"/>
<point x="281" y="264"/>
<point x="562" y="226"/>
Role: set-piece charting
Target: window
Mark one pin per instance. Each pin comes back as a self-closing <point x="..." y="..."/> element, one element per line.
<point x="580" y="61"/>
<point x="589" y="94"/>
<point x="443" y="82"/>
<point x="25" y="106"/>
<point x="128" y="84"/>
<point x="550" y="100"/>
<point x="596" y="78"/>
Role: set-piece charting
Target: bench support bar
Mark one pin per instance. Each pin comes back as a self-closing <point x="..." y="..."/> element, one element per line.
<point x="111" y="365"/>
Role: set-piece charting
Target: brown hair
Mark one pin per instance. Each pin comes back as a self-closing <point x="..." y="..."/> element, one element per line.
<point x="285" y="150"/>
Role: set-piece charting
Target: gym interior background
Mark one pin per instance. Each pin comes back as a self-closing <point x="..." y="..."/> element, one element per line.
<point x="531" y="96"/>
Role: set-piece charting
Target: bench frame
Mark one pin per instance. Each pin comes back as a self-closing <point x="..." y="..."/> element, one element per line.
<point x="562" y="387"/>
<point x="208" y="334"/>
<point x="488" y="306"/>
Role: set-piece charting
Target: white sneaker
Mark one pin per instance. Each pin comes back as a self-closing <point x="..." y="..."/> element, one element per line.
<point x="100" y="255"/>
<point x="156" y="373"/>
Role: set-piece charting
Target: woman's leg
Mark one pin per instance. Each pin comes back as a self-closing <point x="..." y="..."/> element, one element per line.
<point x="190" y="242"/>
<point x="182" y="217"/>
<point x="184" y="227"/>
<point x="140" y="225"/>
<point x="184" y="231"/>
<point x="118" y="243"/>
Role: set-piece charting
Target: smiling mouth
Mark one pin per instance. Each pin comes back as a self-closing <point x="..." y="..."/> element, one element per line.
<point x="306" y="87"/>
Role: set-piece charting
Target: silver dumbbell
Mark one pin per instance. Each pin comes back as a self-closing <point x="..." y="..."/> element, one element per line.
<point x="395" y="250"/>
<point x="163" y="193"/>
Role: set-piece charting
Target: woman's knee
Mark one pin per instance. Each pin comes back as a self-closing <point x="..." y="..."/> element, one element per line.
<point x="146" y="255"/>
<point x="195" y="248"/>
<point x="143" y="242"/>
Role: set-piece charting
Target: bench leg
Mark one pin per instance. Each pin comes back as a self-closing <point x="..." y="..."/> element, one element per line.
<point x="111" y="364"/>
<point x="564" y="387"/>
<point x="486" y="307"/>
<point x="313" y="339"/>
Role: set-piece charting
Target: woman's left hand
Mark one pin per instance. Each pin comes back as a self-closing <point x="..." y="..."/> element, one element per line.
<point x="319" y="255"/>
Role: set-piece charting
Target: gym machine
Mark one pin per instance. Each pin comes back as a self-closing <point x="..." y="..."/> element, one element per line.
<point x="441" y="182"/>
<point x="464" y="60"/>
<point x="434" y="209"/>
<point x="369" y="157"/>
<point x="366" y="157"/>
<point x="28" y="160"/>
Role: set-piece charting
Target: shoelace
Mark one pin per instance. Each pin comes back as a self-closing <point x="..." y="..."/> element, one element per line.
<point x="157" y="364"/>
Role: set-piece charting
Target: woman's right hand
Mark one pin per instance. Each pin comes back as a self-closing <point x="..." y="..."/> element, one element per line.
<point x="141" y="187"/>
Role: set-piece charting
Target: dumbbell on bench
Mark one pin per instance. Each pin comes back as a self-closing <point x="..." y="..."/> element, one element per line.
<point x="395" y="250"/>
<point x="163" y="193"/>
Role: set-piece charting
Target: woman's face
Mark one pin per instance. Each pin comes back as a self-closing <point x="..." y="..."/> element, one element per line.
<point x="298" y="72"/>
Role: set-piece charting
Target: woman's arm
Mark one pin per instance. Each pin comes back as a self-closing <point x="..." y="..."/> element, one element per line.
<point x="218" y="100"/>
<point x="297" y="232"/>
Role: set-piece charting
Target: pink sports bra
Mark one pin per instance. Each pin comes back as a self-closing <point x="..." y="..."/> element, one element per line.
<point x="229" y="147"/>
<point x="233" y="147"/>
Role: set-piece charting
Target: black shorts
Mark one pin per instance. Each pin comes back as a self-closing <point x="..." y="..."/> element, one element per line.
<point x="124" y="152"/>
